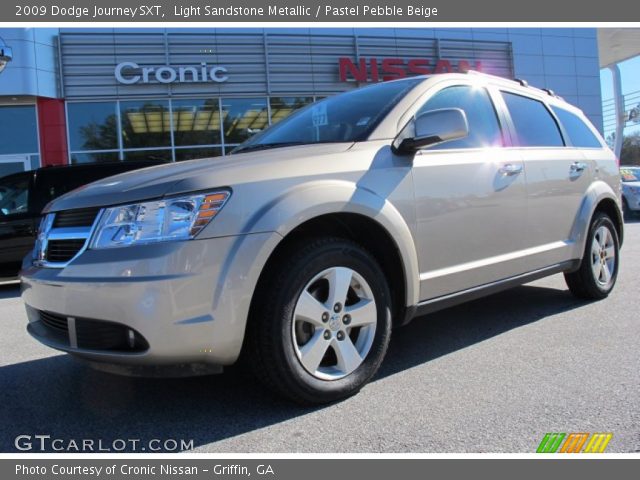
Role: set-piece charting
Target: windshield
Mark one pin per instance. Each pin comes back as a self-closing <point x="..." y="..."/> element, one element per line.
<point x="349" y="117"/>
<point x="630" y="174"/>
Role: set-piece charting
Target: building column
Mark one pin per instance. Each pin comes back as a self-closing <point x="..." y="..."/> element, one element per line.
<point x="52" y="127"/>
<point x="618" y="101"/>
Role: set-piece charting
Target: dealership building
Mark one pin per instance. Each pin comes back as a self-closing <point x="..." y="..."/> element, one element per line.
<point x="94" y="95"/>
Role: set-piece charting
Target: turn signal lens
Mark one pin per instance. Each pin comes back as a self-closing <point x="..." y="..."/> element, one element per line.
<point x="208" y="209"/>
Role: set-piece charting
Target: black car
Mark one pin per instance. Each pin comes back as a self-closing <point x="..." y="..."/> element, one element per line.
<point x="23" y="196"/>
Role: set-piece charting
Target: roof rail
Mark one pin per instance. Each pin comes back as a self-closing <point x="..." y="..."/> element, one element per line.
<point x="481" y="74"/>
<point x="549" y="92"/>
<point x="521" y="81"/>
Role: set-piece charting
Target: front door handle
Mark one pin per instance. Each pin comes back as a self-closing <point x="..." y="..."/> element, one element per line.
<point x="510" y="169"/>
<point x="577" y="167"/>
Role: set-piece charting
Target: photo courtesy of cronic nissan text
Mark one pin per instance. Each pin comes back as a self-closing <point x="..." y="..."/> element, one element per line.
<point x="299" y="240"/>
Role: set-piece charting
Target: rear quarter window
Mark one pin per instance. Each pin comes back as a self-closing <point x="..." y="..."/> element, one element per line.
<point x="579" y="133"/>
<point x="534" y="124"/>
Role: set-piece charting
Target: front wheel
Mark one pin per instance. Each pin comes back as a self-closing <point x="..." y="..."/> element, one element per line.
<point x="598" y="270"/>
<point x="321" y="326"/>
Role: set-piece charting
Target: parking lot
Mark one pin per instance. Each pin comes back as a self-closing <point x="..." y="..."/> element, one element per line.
<point x="493" y="375"/>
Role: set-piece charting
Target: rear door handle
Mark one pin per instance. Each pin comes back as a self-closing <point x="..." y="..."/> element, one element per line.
<point x="578" y="167"/>
<point x="511" y="169"/>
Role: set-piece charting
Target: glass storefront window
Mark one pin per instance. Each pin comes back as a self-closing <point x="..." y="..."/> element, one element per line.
<point x="145" y="123"/>
<point x="92" y="126"/>
<point x="94" y="157"/>
<point x="243" y="118"/>
<point x="282" y="107"/>
<point x="195" y="153"/>
<point x="18" y="129"/>
<point x="196" y="122"/>
<point x="141" y="155"/>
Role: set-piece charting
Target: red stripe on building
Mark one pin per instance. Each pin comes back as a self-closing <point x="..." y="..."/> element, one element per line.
<point x="53" y="132"/>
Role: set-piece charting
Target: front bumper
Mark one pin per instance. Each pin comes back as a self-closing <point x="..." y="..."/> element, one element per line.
<point x="188" y="301"/>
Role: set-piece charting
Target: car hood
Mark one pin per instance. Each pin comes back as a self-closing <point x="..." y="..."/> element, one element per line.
<point x="188" y="176"/>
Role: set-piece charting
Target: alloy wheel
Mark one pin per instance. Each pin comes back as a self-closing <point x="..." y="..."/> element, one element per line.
<point x="603" y="256"/>
<point x="334" y="323"/>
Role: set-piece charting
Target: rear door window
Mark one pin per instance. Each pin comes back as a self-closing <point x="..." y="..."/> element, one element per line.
<point x="52" y="184"/>
<point x="534" y="124"/>
<point x="579" y="133"/>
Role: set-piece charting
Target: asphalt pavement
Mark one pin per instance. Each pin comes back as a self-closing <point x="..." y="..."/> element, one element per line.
<point x="493" y="375"/>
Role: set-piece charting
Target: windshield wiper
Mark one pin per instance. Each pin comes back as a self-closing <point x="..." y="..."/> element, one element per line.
<point x="266" y="146"/>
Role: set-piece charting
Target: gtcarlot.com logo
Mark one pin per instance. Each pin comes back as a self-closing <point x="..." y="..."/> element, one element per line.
<point x="47" y="443"/>
<point x="574" y="443"/>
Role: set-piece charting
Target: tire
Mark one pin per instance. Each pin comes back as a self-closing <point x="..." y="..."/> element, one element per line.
<point x="293" y="321"/>
<point x="598" y="270"/>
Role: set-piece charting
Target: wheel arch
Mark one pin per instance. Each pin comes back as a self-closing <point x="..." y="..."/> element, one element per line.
<point x="610" y="207"/>
<point x="361" y="230"/>
<point x="599" y="197"/>
<point x="352" y="213"/>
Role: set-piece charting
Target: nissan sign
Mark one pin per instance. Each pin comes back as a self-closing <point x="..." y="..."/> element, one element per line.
<point x="130" y="73"/>
<point x="375" y="69"/>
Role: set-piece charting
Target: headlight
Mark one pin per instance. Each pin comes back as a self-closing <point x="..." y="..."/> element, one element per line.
<point x="178" y="218"/>
<point x="635" y="190"/>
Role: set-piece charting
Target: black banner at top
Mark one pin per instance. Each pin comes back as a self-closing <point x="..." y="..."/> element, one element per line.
<point x="423" y="11"/>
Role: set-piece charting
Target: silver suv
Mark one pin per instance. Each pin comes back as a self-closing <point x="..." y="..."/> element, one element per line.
<point x="301" y="250"/>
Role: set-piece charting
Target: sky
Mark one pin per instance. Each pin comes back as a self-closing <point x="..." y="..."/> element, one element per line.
<point x="630" y="74"/>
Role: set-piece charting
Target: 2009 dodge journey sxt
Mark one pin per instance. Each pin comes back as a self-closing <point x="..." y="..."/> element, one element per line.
<point x="303" y="248"/>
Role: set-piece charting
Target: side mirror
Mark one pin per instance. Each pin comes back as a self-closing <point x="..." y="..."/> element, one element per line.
<point x="431" y="127"/>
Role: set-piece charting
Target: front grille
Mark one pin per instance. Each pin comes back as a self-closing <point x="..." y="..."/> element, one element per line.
<point x="64" y="235"/>
<point x="63" y="250"/>
<point x="81" y="217"/>
<point x="95" y="334"/>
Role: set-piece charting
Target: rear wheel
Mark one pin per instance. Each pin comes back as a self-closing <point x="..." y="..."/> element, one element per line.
<point x="322" y="323"/>
<point x="598" y="270"/>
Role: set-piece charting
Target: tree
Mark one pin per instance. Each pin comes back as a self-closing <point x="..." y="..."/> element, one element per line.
<point x="630" y="154"/>
<point x="100" y="136"/>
